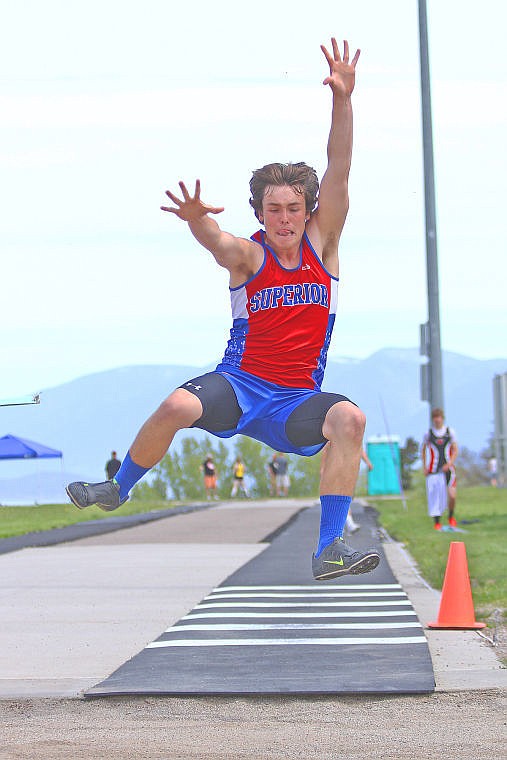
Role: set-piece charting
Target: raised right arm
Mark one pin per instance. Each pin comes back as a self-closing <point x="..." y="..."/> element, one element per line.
<point x="241" y="257"/>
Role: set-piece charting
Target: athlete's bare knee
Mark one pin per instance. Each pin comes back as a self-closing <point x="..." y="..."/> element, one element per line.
<point x="344" y="420"/>
<point x="180" y="409"/>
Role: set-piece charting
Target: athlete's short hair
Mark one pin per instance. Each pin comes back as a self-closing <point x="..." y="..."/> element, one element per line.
<point x="437" y="412"/>
<point x="301" y="177"/>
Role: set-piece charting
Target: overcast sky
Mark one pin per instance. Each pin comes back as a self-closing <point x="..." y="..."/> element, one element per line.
<point x="105" y="104"/>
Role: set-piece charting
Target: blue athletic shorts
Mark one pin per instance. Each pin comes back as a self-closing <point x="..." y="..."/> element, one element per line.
<point x="286" y="419"/>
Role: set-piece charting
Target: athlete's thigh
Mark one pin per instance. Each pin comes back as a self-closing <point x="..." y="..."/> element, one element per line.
<point x="304" y="424"/>
<point x="221" y="411"/>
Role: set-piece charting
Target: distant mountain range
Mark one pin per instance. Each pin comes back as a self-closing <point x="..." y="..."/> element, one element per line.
<point x="89" y="417"/>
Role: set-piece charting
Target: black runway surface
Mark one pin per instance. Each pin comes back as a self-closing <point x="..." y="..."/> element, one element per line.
<point x="271" y="629"/>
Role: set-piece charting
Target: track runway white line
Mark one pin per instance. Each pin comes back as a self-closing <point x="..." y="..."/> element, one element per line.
<point x="335" y="642"/>
<point x="291" y="627"/>
<point x="354" y="614"/>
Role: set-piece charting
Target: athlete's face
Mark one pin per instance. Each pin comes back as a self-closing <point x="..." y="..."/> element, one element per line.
<point x="284" y="216"/>
<point x="438" y="421"/>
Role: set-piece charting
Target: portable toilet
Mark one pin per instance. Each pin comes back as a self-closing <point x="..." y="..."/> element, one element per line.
<point x="384" y="454"/>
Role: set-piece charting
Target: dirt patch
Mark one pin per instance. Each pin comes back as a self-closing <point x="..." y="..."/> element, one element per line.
<point x="456" y="725"/>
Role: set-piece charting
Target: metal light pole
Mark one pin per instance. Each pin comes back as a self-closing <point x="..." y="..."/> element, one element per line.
<point x="500" y="406"/>
<point x="431" y="372"/>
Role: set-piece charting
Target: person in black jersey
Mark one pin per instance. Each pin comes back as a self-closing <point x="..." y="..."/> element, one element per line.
<point x="112" y="466"/>
<point x="439" y="452"/>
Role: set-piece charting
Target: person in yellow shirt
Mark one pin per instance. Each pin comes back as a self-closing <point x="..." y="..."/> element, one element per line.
<point x="239" y="478"/>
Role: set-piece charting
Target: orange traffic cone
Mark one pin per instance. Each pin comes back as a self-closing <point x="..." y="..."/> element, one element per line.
<point x="456" y="605"/>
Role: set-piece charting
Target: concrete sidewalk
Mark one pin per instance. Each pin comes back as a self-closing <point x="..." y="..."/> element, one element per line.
<point x="462" y="660"/>
<point x="73" y="613"/>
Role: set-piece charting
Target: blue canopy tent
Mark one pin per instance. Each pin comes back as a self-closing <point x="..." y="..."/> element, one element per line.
<point x="13" y="447"/>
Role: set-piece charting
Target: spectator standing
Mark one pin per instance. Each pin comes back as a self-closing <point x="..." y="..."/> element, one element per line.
<point x="282" y="476"/>
<point x="210" y="478"/>
<point x="238" y="482"/>
<point x="439" y="452"/>
<point x="272" y="467"/>
<point x="493" y="471"/>
<point x="112" y="466"/>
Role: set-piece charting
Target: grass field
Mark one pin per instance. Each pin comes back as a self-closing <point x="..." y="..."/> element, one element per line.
<point x="484" y="509"/>
<point x="482" y="513"/>
<point x="16" y="521"/>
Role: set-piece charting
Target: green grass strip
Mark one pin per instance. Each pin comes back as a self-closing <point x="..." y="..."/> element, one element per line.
<point x="482" y="513"/>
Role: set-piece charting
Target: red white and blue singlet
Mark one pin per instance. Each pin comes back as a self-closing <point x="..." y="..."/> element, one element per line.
<point x="283" y="320"/>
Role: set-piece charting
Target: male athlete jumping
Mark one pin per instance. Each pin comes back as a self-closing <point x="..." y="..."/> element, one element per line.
<point x="283" y="287"/>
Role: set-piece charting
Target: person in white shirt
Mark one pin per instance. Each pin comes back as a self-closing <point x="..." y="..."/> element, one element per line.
<point x="493" y="472"/>
<point x="351" y="524"/>
<point x="439" y="453"/>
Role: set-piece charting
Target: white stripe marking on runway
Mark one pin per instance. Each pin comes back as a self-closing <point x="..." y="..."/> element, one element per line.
<point x="286" y="642"/>
<point x="216" y="605"/>
<point x="289" y="626"/>
<point x="372" y="613"/>
<point x="359" y="586"/>
<point x="273" y="595"/>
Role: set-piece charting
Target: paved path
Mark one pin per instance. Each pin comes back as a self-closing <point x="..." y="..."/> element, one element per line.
<point x="271" y="629"/>
<point x="73" y="613"/>
<point x="61" y="603"/>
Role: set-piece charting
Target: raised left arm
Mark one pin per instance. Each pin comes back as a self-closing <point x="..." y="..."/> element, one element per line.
<point x="326" y="224"/>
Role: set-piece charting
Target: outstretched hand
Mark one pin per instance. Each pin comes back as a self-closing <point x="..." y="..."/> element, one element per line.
<point x="342" y="74"/>
<point x="191" y="208"/>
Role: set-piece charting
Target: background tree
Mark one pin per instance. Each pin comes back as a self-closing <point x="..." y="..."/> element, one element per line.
<point x="409" y="455"/>
<point x="182" y="471"/>
<point x="486" y="454"/>
<point x="304" y="473"/>
<point x="255" y="456"/>
<point x="179" y="476"/>
<point x="154" y="490"/>
<point x="470" y="468"/>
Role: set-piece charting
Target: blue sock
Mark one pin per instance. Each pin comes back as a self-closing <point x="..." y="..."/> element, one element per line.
<point x="128" y="475"/>
<point x="334" y="511"/>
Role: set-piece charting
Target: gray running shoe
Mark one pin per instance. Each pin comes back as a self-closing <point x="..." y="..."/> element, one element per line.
<point x="105" y="495"/>
<point x="340" y="559"/>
